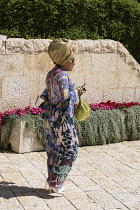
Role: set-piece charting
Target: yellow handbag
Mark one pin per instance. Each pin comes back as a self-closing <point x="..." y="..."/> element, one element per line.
<point x="82" y="110"/>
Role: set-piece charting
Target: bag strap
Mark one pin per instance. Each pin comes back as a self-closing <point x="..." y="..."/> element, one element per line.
<point x="36" y="100"/>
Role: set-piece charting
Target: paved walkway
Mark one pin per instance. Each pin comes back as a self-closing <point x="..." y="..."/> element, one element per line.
<point x="103" y="178"/>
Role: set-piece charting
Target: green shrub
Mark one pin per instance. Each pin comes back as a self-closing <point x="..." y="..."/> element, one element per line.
<point x="34" y="123"/>
<point x="102" y="127"/>
<point x="133" y="123"/>
<point x="75" y="19"/>
<point x="109" y="126"/>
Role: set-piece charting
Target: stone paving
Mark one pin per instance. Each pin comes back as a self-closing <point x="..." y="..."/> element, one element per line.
<point x="103" y="178"/>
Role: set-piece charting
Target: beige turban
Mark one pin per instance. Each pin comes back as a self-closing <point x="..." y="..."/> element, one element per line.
<point x="60" y="51"/>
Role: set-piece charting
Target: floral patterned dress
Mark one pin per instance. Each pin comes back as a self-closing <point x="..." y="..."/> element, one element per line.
<point x="61" y="137"/>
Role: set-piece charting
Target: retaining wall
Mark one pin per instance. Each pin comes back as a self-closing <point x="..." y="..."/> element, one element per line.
<point x="107" y="68"/>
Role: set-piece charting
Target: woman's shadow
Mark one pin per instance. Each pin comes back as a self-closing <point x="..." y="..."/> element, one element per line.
<point x="10" y="190"/>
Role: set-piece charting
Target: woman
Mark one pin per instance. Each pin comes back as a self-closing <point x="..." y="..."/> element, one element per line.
<point x="60" y="97"/>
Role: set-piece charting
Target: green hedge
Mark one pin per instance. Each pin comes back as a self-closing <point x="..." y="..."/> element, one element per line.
<point x="102" y="127"/>
<point x="75" y="19"/>
<point x="109" y="126"/>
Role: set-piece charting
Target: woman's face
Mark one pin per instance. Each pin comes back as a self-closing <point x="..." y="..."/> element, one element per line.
<point x="69" y="65"/>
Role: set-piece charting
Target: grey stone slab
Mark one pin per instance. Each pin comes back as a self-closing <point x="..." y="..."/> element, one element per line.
<point x="43" y="153"/>
<point x="32" y="202"/>
<point x="86" y="204"/>
<point x="84" y="183"/>
<point x="15" y="177"/>
<point x="75" y="194"/>
<point x="4" y="159"/>
<point x="126" y="197"/>
<point x="37" y="182"/>
<point x="1" y="178"/>
<point x="35" y="156"/>
<point x="111" y="172"/>
<point x="8" y="200"/>
<point x="37" y="208"/>
<point x="6" y="193"/>
<point x="94" y="173"/>
<point x="12" y="155"/>
<point x="127" y="170"/>
<point x="109" y="185"/>
<point x="127" y="182"/>
<point x="7" y="167"/>
<point x="105" y="200"/>
<point x="102" y="178"/>
<point x="132" y="205"/>
<point x="134" y="190"/>
<point x="60" y="202"/>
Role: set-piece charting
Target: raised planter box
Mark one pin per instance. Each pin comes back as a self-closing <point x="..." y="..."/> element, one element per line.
<point x="21" y="139"/>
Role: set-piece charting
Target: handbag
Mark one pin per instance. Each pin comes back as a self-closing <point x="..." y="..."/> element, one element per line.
<point x="82" y="110"/>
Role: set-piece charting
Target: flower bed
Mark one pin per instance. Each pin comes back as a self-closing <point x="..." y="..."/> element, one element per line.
<point x="113" y="105"/>
<point x="29" y="126"/>
<point x="109" y="122"/>
<point x="19" y="113"/>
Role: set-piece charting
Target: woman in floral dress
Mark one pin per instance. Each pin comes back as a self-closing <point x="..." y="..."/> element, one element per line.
<point x="59" y="97"/>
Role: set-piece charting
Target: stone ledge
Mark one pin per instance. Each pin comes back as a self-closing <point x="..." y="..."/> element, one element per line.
<point x="37" y="46"/>
<point x="29" y="46"/>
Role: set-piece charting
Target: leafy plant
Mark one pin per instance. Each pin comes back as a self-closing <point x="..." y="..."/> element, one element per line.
<point x="132" y="121"/>
<point x="109" y="122"/>
<point x="75" y="19"/>
<point x="32" y="117"/>
<point x="102" y="127"/>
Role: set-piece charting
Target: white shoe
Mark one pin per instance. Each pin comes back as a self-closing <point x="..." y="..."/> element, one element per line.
<point x="55" y="190"/>
<point x="62" y="188"/>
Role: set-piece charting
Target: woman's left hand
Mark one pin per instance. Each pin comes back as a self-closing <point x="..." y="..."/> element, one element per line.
<point x="81" y="90"/>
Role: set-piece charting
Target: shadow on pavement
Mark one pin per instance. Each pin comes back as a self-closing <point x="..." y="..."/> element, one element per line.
<point x="9" y="190"/>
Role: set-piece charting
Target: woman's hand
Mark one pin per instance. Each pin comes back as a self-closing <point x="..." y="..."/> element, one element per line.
<point x="81" y="90"/>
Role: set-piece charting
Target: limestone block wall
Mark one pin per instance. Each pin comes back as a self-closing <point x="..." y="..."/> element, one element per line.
<point x="107" y="68"/>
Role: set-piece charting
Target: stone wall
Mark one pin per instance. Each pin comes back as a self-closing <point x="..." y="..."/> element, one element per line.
<point x="107" y="68"/>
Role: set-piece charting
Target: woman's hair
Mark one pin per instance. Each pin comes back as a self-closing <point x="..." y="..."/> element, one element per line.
<point x="60" y="51"/>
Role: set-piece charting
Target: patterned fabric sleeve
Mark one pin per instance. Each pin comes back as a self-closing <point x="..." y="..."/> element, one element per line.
<point x="67" y="93"/>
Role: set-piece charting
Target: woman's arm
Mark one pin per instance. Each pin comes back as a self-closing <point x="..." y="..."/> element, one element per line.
<point x="67" y="93"/>
<point x="66" y="88"/>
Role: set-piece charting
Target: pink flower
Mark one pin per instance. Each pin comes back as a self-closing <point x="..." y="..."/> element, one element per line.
<point x="37" y="111"/>
<point x="20" y="114"/>
<point x="112" y="105"/>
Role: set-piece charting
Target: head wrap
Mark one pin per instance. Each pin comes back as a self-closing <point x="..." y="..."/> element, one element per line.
<point x="60" y="51"/>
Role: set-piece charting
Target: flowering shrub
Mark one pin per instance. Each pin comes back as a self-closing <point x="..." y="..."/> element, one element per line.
<point x="112" y="105"/>
<point x="20" y="112"/>
<point x="105" y="124"/>
<point x="37" y="111"/>
<point x="32" y="117"/>
<point x="109" y="126"/>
